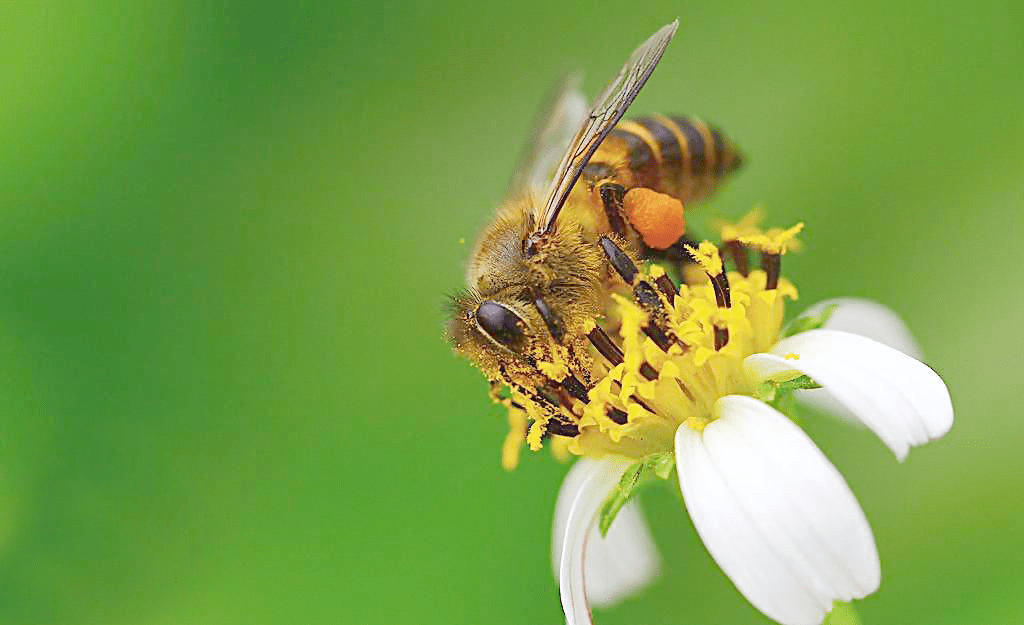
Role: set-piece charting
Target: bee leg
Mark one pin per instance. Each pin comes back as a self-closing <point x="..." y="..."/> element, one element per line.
<point x="557" y="423"/>
<point x="611" y="196"/>
<point x="571" y="383"/>
<point x="644" y="293"/>
<point x="620" y="261"/>
<point x="574" y="387"/>
<point x="560" y="427"/>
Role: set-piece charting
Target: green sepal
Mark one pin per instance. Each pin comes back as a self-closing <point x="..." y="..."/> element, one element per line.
<point x="842" y="614"/>
<point x="809" y="322"/>
<point x="779" y="395"/>
<point x="633" y="478"/>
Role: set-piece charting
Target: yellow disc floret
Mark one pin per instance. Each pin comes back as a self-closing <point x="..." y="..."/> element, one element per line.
<point x="674" y="357"/>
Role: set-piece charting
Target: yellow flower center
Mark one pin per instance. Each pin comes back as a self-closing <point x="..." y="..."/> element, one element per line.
<point x="678" y="355"/>
<point x="705" y="362"/>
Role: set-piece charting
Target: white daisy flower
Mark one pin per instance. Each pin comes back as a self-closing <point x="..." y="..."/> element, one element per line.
<point x="774" y="513"/>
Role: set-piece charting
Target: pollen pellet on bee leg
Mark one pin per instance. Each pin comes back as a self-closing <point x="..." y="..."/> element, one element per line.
<point x="657" y="217"/>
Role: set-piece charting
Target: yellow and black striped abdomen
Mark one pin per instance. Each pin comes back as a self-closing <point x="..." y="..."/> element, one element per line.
<point x="681" y="156"/>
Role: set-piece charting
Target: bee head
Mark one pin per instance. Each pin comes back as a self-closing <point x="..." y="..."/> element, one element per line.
<point x="492" y="333"/>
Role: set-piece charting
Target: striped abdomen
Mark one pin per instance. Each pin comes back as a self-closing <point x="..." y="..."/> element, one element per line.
<point x="681" y="156"/>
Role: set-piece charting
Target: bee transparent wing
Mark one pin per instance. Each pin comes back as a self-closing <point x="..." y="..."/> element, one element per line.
<point x="554" y="127"/>
<point x="607" y="110"/>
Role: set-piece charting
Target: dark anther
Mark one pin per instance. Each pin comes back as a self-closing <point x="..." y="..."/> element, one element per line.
<point x="611" y="196"/>
<point x="605" y="346"/>
<point x="686" y="391"/>
<point x="721" y="284"/>
<point x="575" y="388"/>
<point x="616" y="415"/>
<point x="619" y="260"/>
<point x="667" y="287"/>
<point x="739" y="254"/>
<point x="772" y="265"/>
<point x="721" y="337"/>
<point x="551" y="320"/>
<point x="642" y="404"/>
<point x="561" y="428"/>
<point x="611" y="351"/>
<point x="500" y="323"/>
<point x="656" y="334"/>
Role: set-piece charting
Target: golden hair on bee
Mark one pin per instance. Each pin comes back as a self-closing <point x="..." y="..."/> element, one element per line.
<point x="520" y="306"/>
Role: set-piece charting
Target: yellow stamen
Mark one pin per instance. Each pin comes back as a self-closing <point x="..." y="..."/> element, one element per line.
<point x="706" y="255"/>
<point x="775" y="240"/>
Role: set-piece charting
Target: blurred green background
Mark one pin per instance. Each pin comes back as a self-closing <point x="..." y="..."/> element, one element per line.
<point x="226" y="233"/>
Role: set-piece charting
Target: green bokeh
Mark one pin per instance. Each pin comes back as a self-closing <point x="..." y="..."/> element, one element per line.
<point x="227" y="230"/>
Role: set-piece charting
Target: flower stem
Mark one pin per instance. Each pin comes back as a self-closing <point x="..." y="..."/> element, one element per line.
<point x="842" y="614"/>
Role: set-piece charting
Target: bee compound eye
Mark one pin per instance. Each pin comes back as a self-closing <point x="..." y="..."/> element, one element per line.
<point x="500" y="323"/>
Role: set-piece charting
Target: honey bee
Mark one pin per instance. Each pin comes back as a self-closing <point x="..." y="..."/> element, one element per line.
<point x="542" y="271"/>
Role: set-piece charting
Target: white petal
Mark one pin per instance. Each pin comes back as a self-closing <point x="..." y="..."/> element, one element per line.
<point x="866" y="318"/>
<point x="774" y="513"/>
<point x="591" y="569"/>
<point x="870" y="319"/>
<point x="900" y="399"/>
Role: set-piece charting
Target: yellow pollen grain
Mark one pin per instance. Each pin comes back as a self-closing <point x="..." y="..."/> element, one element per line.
<point x="792" y="356"/>
<point x="775" y="241"/>
<point x="535" y="436"/>
<point x="514" y="440"/>
<point x="555" y="371"/>
<point x="706" y="255"/>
